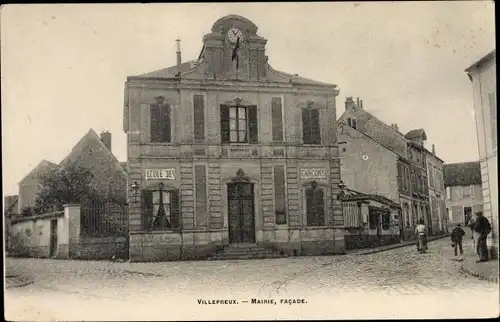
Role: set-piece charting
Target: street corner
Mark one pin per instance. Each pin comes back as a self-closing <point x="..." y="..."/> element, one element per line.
<point x="485" y="270"/>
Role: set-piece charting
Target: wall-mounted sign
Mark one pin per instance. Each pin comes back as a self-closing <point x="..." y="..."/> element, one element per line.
<point x="312" y="173"/>
<point x="160" y="174"/>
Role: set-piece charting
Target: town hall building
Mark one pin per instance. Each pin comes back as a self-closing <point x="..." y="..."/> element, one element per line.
<point x="225" y="151"/>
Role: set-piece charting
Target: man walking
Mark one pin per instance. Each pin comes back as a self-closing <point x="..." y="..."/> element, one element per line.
<point x="456" y="239"/>
<point x="481" y="230"/>
<point x="421" y="232"/>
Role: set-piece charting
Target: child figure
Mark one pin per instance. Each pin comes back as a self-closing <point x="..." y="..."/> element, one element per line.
<point x="456" y="238"/>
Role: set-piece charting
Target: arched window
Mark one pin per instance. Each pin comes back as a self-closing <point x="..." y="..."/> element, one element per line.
<point x="160" y="209"/>
<point x="315" y="206"/>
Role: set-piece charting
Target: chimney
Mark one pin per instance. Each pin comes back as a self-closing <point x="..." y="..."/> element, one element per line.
<point x="106" y="139"/>
<point x="395" y="127"/>
<point x="349" y="103"/>
<point x="357" y="101"/>
<point x="361" y="104"/>
<point x="179" y="60"/>
<point x="433" y="149"/>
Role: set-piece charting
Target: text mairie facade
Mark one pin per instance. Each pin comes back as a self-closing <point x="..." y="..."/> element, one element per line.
<point x="226" y="150"/>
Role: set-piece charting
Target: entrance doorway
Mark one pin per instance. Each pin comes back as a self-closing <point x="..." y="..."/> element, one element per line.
<point x="241" y="213"/>
<point x="467" y="214"/>
<point x="53" y="238"/>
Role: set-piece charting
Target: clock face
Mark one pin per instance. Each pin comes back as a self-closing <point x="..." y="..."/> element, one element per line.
<point x="233" y="34"/>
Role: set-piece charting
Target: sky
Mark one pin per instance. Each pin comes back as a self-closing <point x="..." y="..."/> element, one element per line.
<point x="63" y="67"/>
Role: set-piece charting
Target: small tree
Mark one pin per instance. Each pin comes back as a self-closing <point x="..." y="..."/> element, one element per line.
<point x="64" y="186"/>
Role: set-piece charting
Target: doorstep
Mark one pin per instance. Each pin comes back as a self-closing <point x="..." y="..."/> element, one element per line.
<point x="485" y="270"/>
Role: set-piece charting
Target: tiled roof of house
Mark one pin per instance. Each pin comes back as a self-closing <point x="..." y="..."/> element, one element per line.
<point x="10" y="204"/>
<point x="414" y="134"/>
<point x="42" y="168"/>
<point x="462" y="174"/>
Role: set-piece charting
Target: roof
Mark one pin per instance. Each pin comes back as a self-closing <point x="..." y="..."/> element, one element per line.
<point x="10" y="204"/>
<point x="124" y="165"/>
<point x="91" y="135"/>
<point x="43" y="167"/>
<point x="462" y="174"/>
<point x="491" y="55"/>
<point x="416" y="134"/>
<point x="346" y="129"/>
<point x="273" y="75"/>
<point x="352" y="195"/>
<point x="169" y="72"/>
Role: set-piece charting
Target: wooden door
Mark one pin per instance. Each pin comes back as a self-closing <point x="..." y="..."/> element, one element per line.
<point x="53" y="238"/>
<point x="241" y="213"/>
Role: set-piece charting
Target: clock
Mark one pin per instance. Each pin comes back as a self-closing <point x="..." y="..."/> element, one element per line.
<point x="233" y="34"/>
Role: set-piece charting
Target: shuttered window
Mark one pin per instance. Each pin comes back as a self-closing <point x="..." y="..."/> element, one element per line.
<point x="160" y="210"/>
<point x="315" y="207"/>
<point x="277" y="119"/>
<point x="200" y="176"/>
<point x="386" y="221"/>
<point x="279" y="194"/>
<point x="493" y="118"/>
<point x="239" y="124"/>
<point x="199" y="117"/>
<point x="160" y="123"/>
<point x="352" y="214"/>
<point x="310" y="126"/>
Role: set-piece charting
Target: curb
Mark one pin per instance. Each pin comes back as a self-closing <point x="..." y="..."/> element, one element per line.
<point x="373" y="251"/>
<point x="493" y="279"/>
<point x="14" y="282"/>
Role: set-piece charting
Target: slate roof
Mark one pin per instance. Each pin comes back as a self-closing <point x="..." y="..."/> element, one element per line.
<point x="462" y="174"/>
<point x="273" y="76"/>
<point x="353" y="195"/>
<point x="491" y="55"/>
<point x="415" y="134"/>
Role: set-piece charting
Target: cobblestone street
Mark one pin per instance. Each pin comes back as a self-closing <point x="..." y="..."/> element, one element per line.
<point x="395" y="283"/>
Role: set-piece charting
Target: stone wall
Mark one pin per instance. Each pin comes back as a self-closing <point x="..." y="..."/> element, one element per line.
<point x="172" y="246"/>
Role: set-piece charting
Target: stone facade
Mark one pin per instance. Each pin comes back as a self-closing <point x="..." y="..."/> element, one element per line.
<point x="483" y="77"/>
<point x="436" y="192"/>
<point x="367" y="166"/>
<point x="458" y="203"/>
<point x="196" y="139"/>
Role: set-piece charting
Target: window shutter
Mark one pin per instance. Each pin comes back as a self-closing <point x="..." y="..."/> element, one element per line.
<point x="155" y="116"/>
<point x="279" y="194"/>
<point x="315" y="128"/>
<point x="175" y="213"/>
<point x="199" y="117"/>
<point x="252" y="125"/>
<point x="306" y="126"/>
<point x="309" y="207"/>
<point x="493" y="118"/>
<point x="224" y="123"/>
<point x="167" y="136"/>
<point x="147" y="209"/>
<point x="277" y="117"/>
<point x="320" y="207"/>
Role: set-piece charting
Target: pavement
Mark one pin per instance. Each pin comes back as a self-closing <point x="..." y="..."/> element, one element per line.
<point x="486" y="270"/>
<point x="385" y="284"/>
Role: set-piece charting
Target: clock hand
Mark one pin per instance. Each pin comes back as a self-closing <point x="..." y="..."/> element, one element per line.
<point x="234" y="33"/>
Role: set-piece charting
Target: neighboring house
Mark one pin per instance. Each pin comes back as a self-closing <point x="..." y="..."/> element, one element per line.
<point x="411" y="163"/>
<point x="230" y="151"/>
<point x="31" y="184"/>
<point x="370" y="174"/>
<point x="10" y="208"/>
<point x="463" y="191"/>
<point x="11" y="205"/>
<point x="484" y="84"/>
<point x="419" y="190"/>
<point x="94" y="153"/>
<point x="436" y="191"/>
<point x="102" y="228"/>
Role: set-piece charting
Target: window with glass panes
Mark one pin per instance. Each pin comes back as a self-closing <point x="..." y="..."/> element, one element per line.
<point x="237" y="124"/>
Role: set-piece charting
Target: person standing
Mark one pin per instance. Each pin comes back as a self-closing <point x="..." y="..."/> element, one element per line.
<point x="470" y="224"/>
<point x="456" y="238"/>
<point x="421" y="232"/>
<point x="481" y="230"/>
